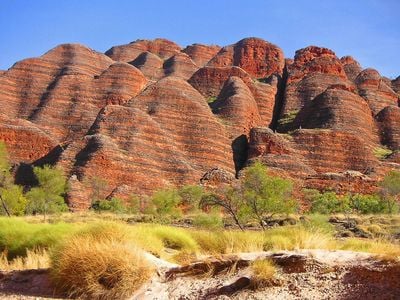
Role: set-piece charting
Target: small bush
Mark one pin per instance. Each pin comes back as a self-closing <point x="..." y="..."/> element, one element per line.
<point x="327" y="202"/>
<point x="367" y="204"/>
<point x="113" y="205"/>
<point x="382" y="152"/>
<point x="288" y="117"/>
<point x="263" y="273"/>
<point x="14" y="200"/>
<point x="211" y="99"/>
<point x="98" y="269"/>
<point x="210" y="221"/>
<point x="190" y="197"/>
<point x="166" y="203"/>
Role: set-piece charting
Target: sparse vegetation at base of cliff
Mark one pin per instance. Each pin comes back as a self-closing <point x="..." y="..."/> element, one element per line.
<point x="382" y="152"/>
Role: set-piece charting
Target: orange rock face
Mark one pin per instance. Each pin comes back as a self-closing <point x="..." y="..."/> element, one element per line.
<point x="160" y="47"/>
<point x="375" y="90"/>
<point x="150" y="114"/>
<point x="201" y="54"/>
<point x="257" y="57"/>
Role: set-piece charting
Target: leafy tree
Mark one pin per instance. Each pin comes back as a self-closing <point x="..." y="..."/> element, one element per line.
<point x="166" y="202"/>
<point x="266" y="195"/>
<point x="191" y="196"/>
<point x="5" y="175"/>
<point x="48" y="196"/>
<point x="390" y="190"/>
<point x="231" y="200"/>
<point x="14" y="199"/>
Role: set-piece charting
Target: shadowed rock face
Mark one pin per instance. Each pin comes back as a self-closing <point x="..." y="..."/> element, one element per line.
<point x="149" y="114"/>
<point x="389" y="121"/>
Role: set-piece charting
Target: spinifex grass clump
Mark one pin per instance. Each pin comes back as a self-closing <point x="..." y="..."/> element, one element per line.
<point x="100" y="263"/>
<point x="263" y="273"/>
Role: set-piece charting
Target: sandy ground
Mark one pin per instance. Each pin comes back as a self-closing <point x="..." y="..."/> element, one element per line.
<point x="312" y="274"/>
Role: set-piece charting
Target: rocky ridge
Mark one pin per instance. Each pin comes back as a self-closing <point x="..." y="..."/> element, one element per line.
<point x="150" y="114"/>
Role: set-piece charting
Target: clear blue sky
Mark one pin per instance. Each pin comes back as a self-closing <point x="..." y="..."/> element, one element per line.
<point x="369" y="30"/>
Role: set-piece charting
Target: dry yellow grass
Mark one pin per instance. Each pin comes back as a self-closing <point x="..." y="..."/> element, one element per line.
<point x="263" y="273"/>
<point x="98" y="269"/>
<point x="34" y="259"/>
<point x="384" y="249"/>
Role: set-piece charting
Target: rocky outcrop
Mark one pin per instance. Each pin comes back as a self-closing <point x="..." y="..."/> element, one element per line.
<point x="180" y="65"/>
<point x="313" y="70"/>
<point x="389" y="121"/>
<point x="129" y="52"/>
<point x="375" y="91"/>
<point x="148" y="114"/>
<point x="396" y="85"/>
<point x="334" y="151"/>
<point x="155" y="141"/>
<point x="25" y="142"/>
<point x="150" y="65"/>
<point x="278" y="152"/>
<point x="342" y="182"/>
<point x="351" y="67"/>
<point x="257" y="57"/>
<point x="239" y="112"/>
<point x="209" y="81"/>
<point x="201" y="54"/>
<point x="310" y="154"/>
<point x="63" y="90"/>
<point x="339" y="109"/>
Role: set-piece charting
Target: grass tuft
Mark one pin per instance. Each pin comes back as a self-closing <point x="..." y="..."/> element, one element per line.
<point x="98" y="269"/>
<point x="263" y="271"/>
<point x="34" y="259"/>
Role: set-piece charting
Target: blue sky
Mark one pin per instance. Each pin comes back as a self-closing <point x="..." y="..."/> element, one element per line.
<point x="369" y="30"/>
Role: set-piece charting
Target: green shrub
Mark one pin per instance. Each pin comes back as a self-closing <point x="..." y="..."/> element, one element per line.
<point x="208" y="220"/>
<point x="327" y="202"/>
<point x="166" y="203"/>
<point x="191" y="196"/>
<point x="382" y="152"/>
<point x="288" y="117"/>
<point x="367" y="204"/>
<point x="14" y="200"/>
<point x="48" y="197"/>
<point x="211" y="99"/>
<point x="114" y="205"/>
<point x="390" y="190"/>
